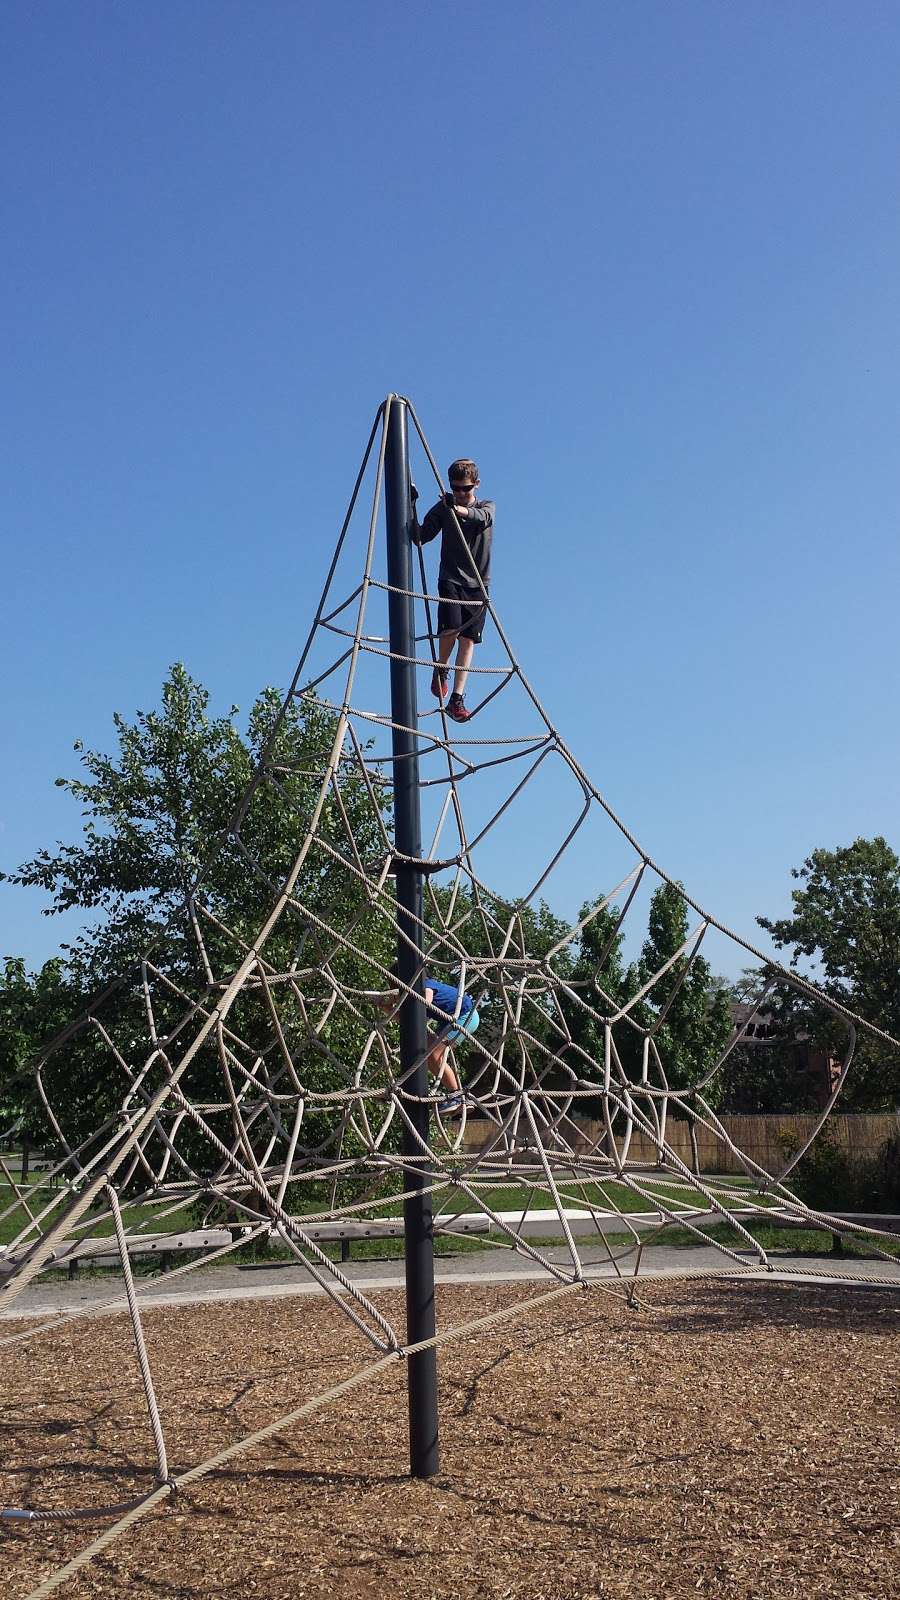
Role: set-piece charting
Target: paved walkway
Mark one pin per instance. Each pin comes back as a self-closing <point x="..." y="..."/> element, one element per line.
<point x="276" y="1280"/>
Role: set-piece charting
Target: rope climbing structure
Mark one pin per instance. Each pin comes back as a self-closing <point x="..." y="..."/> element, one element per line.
<point x="250" y="1073"/>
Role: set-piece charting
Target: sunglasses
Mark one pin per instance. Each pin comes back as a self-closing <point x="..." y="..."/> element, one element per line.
<point x="461" y="488"/>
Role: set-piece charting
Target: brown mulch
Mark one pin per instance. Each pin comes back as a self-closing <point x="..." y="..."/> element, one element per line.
<point x="724" y="1439"/>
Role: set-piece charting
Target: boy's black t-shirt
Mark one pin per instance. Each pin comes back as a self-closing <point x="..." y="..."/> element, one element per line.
<point x="477" y="531"/>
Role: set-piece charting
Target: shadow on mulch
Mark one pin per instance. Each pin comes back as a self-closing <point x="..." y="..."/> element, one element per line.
<point x="730" y="1306"/>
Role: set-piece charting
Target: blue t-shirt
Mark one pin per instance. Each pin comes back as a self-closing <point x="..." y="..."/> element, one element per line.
<point x="445" y="996"/>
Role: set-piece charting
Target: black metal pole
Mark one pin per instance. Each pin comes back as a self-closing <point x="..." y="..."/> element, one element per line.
<point x="417" y="1214"/>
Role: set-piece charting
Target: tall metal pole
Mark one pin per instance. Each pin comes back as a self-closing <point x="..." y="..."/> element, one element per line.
<point x="417" y="1214"/>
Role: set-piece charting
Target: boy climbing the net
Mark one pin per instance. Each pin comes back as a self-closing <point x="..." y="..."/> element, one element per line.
<point x="443" y="998"/>
<point x="466" y="526"/>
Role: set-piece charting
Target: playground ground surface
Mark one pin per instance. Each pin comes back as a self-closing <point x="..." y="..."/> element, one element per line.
<point x="725" y="1438"/>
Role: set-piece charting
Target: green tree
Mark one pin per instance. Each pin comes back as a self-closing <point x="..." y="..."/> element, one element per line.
<point x="768" y="1071"/>
<point x="33" y="1007"/>
<point x="770" y="1075"/>
<point x="846" y="925"/>
<point x="598" y="981"/>
<point x="157" y="820"/>
<point x="159" y="859"/>
<point x="697" y="1023"/>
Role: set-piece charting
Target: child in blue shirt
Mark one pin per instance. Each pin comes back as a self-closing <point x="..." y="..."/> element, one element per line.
<point x="445" y="1033"/>
<point x="443" y="997"/>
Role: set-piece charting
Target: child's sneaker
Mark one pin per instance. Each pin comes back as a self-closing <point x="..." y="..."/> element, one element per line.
<point x="456" y="709"/>
<point x="439" y="682"/>
<point x="452" y="1106"/>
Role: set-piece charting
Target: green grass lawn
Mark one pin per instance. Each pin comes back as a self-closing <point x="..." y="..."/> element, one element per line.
<point x="793" y="1241"/>
<point x="499" y="1197"/>
<point x="612" y="1195"/>
<point x="39" y="1196"/>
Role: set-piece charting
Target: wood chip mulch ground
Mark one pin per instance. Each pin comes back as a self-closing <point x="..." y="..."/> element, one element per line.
<point x="724" y="1439"/>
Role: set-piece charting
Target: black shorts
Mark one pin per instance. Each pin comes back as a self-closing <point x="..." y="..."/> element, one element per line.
<point x="461" y="610"/>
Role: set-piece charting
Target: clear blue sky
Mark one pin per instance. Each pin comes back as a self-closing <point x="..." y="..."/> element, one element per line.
<point x="641" y="260"/>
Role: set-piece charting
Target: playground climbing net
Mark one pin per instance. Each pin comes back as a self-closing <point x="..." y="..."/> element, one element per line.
<point x="246" y="1076"/>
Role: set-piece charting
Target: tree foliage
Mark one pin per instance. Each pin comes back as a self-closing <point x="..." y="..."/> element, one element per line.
<point x="696" y="1024"/>
<point x="846" y="924"/>
<point x="33" y="1007"/>
<point x="156" y="819"/>
<point x="598" y="985"/>
<point x="771" y="1076"/>
<point x="158" y="857"/>
<point x="156" y="824"/>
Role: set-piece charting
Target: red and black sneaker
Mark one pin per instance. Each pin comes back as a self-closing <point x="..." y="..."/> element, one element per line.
<point x="457" y="710"/>
<point x="439" y="682"/>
